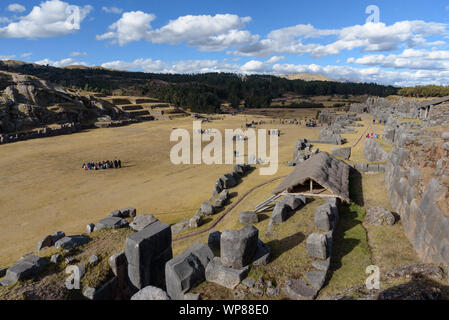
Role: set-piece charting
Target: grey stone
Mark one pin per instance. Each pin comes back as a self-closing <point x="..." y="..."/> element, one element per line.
<point x="316" y="245"/>
<point x="273" y="292"/>
<point x="248" y="217"/>
<point x="214" y="240"/>
<point x="128" y="212"/>
<point x="248" y="282"/>
<point x="118" y="262"/>
<point x="322" y="217"/>
<point x="72" y="242"/>
<point x="93" y="260"/>
<point x="238" y="246"/>
<point x="196" y="221"/>
<point x="90" y="228"/>
<point x="221" y="275"/>
<point x="106" y="292"/>
<point x="57" y="236"/>
<point x="115" y="214"/>
<point x="445" y="135"/>
<point x="24" y="269"/>
<point x="44" y="243"/>
<point x="150" y="293"/>
<point x="192" y="296"/>
<point x="180" y="226"/>
<point x="293" y="202"/>
<point x="373" y="151"/>
<point x="142" y="221"/>
<point x="256" y="291"/>
<point x="321" y="265"/>
<point x="446" y="146"/>
<point x="147" y="251"/>
<point x="55" y="258"/>
<point x="344" y="153"/>
<point x="316" y="278"/>
<point x="219" y="203"/>
<point x="281" y="213"/>
<point x="187" y="270"/>
<point x="299" y="290"/>
<point x="262" y="255"/>
<point x="229" y="181"/>
<point x="207" y="209"/>
<point x="224" y="195"/>
<point x="378" y="216"/>
<point x="111" y="223"/>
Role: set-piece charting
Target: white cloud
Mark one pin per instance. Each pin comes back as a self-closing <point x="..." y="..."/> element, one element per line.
<point x="369" y="37"/>
<point x="409" y="59"/>
<point x="52" y="18"/>
<point x="26" y="55"/>
<point x="78" y="54"/>
<point x="15" y="7"/>
<point x="113" y="10"/>
<point x="7" y="57"/>
<point x="209" y="33"/>
<point x="4" y="20"/>
<point x="61" y="63"/>
<point x="132" y="26"/>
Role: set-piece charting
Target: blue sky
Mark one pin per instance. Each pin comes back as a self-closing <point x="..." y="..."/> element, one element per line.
<point x="407" y="46"/>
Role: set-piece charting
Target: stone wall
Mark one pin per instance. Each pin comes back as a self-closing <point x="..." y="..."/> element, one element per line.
<point x="416" y="177"/>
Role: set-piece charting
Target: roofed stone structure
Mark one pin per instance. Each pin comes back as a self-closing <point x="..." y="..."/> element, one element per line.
<point x="322" y="174"/>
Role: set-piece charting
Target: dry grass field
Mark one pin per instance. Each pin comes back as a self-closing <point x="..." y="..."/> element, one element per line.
<point x="45" y="190"/>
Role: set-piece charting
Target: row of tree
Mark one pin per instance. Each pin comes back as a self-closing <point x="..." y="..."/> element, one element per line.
<point x="199" y="92"/>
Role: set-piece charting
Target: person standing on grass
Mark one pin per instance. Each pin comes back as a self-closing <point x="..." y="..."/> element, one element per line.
<point x="115" y="163"/>
<point x="119" y="163"/>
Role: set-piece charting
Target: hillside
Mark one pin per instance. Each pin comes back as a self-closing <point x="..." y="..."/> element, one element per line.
<point x="307" y="77"/>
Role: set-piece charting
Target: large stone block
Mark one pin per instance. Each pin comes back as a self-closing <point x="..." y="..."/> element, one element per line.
<point x="111" y="223"/>
<point x="25" y="269"/>
<point x="316" y="245"/>
<point x="142" y="221"/>
<point x="344" y="153"/>
<point x="150" y="293"/>
<point x="147" y="251"/>
<point x="226" y="277"/>
<point x="187" y="270"/>
<point x="71" y="242"/>
<point x="248" y="217"/>
<point x="238" y="246"/>
<point x="323" y="217"/>
<point x="299" y="290"/>
<point x="281" y="213"/>
<point x="293" y="202"/>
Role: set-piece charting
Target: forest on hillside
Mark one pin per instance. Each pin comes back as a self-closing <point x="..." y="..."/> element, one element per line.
<point x="425" y="91"/>
<point x="198" y="92"/>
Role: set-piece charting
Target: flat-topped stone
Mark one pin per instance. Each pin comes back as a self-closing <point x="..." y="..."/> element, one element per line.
<point x="111" y="223"/>
<point x="71" y="242"/>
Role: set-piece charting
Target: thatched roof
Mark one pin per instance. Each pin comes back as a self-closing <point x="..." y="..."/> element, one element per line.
<point x="324" y="169"/>
<point x="433" y="102"/>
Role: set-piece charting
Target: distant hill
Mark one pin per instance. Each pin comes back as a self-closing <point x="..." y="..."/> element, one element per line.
<point x="307" y="77"/>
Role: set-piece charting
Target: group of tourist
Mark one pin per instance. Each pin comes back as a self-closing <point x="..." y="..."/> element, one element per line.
<point x="117" y="163"/>
<point x="372" y="136"/>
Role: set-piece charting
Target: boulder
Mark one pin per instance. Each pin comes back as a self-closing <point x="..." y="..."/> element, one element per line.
<point x="316" y="278"/>
<point x="262" y="255"/>
<point x="299" y="290"/>
<point x="72" y="242"/>
<point x="142" y="221"/>
<point x="322" y="265"/>
<point x="281" y="213"/>
<point x="248" y="217"/>
<point x="25" y="269"/>
<point x="187" y="270"/>
<point x="223" y="276"/>
<point x="118" y="262"/>
<point x="196" y="221"/>
<point x="293" y="202"/>
<point x="128" y="212"/>
<point x="214" y="240"/>
<point x="238" y="246"/>
<point x="316" y="245"/>
<point x="147" y="251"/>
<point x="192" y="296"/>
<point x="44" y="243"/>
<point x="57" y="236"/>
<point x="106" y="292"/>
<point x="180" y="226"/>
<point x="229" y="181"/>
<point x="207" y="209"/>
<point x="378" y="216"/>
<point x="323" y="217"/>
<point x="445" y="135"/>
<point x="219" y="203"/>
<point x="116" y="214"/>
<point x="344" y="153"/>
<point x="111" y="223"/>
<point x="373" y="151"/>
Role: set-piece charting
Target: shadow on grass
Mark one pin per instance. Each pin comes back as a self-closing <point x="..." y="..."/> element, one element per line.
<point x="280" y="246"/>
<point x="356" y="187"/>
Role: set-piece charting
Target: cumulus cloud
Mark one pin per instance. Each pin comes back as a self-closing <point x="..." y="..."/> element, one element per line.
<point x="209" y="33"/>
<point x="415" y="59"/>
<point x="61" y="63"/>
<point x="15" y="7"/>
<point x="113" y="10"/>
<point x="52" y="18"/>
<point x="371" y="37"/>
